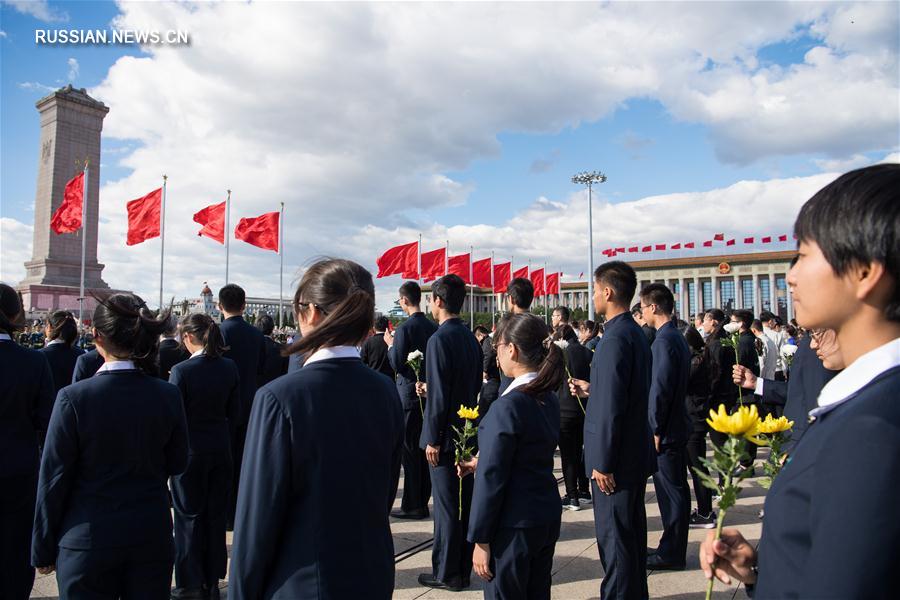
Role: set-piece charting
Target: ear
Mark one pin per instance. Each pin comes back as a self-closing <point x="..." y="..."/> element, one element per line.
<point x="872" y="282"/>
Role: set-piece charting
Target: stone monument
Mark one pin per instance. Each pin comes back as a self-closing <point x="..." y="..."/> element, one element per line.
<point x="71" y="122"/>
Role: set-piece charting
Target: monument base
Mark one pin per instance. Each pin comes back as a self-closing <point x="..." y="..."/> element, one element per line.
<point x="40" y="300"/>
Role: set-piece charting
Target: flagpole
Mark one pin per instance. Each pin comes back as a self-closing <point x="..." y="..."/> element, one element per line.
<point x="162" y="241"/>
<point x="281" y="266"/>
<point x="546" y="304"/>
<point x="472" y="291"/>
<point x="84" y="202"/>
<point x="419" y="261"/>
<point x="227" y="233"/>
<point x="512" y="270"/>
<point x="493" y="293"/>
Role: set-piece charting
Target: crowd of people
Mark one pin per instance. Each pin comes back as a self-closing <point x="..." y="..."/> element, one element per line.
<point x="131" y="460"/>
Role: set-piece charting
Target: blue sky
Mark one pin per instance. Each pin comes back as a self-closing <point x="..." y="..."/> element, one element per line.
<point x="654" y="133"/>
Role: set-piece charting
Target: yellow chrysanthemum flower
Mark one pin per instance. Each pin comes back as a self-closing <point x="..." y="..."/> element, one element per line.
<point x="744" y="422"/>
<point x="467" y="413"/>
<point x="770" y="425"/>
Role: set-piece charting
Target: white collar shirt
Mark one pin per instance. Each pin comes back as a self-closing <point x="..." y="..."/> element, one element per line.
<point x="521" y="380"/>
<point x="116" y="365"/>
<point x="334" y="352"/>
<point x="845" y="385"/>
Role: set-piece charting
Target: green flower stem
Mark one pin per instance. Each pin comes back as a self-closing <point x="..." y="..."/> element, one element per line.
<point x="421" y="406"/>
<point x="734" y="457"/>
<point x="580" y="404"/>
<point x="720" y="520"/>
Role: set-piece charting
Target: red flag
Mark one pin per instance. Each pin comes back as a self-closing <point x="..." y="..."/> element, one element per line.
<point x="213" y="220"/>
<point x="537" y="280"/>
<point x="398" y="260"/>
<point x="502" y="276"/>
<point x="782" y="238"/>
<point x="67" y="217"/>
<point x="730" y="242"/>
<point x="646" y="248"/>
<point x="689" y="244"/>
<point x="719" y="237"/>
<point x="633" y="249"/>
<point x="553" y="283"/>
<point x="481" y="273"/>
<point x="660" y="246"/>
<point x="608" y="252"/>
<point x="767" y="239"/>
<point x="676" y="246"/>
<point x="523" y="273"/>
<point x="707" y="244"/>
<point x="262" y="232"/>
<point x="143" y="217"/>
<point x="434" y="263"/>
<point x="620" y="250"/>
<point x="748" y="240"/>
<point x="460" y="265"/>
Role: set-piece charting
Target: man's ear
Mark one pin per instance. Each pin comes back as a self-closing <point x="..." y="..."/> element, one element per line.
<point x="872" y="282"/>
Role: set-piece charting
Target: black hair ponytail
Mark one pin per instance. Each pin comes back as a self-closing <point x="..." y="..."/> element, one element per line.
<point x="130" y="330"/>
<point x="202" y="327"/>
<point x="63" y="326"/>
<point x="11" y="317"/>
<point x="531" y="337"/>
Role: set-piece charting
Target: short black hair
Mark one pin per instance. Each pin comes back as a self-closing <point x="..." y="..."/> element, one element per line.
<point x="660" y="295"/>
<point x="232" y="298"/>
<point x="756" y="324"/>
<point x="521" y="291"/>
<point x="412" y="292"/>
<point x="381" y="323"/>
<point x="564" y="313"/>
<point x="620" y="277"/>
<point x="716" y="314"/>
<point x="452" y="290"/>
<point x="855" y="220"/>
<point x="266" y="324"/>
<point x="481" y="329"/>
<point x="636" y="309"/>
<point x="766" y="316"/>
<point x="744" y="316"/>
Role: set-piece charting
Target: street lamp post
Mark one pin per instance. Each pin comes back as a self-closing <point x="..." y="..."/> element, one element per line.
<point x="589" y="178"/>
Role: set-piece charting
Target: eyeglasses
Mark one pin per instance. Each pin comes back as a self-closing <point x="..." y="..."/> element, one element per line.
<point x="643" y="306"/>
<point x="498" y="344"/>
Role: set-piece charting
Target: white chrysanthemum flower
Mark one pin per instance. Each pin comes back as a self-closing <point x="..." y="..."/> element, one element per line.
<point x="732" y="327"/>
<point x="414" y="355"/>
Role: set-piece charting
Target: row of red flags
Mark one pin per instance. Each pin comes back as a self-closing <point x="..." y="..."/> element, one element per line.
<point x="144" y="219"/>
<point x="719" y="237"/>
<point x="404" y="260"/>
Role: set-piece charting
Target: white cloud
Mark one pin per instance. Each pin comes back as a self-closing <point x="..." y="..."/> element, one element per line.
<point x="2" y="34"/>
<point x="73" y="69"/>
<point x="842" y="164"/>
<point x="39" y="9"/>
<point x="36" y="86"/>
<point x="355" y="114"/>
<point x="15" y="248"/>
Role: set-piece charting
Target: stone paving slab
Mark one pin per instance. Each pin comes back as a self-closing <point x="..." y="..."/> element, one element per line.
<point x="577" y="572"/>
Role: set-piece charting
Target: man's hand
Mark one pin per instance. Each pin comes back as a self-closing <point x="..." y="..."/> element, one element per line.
<point x="388" y="338"/>
<point x="656" y="443"/>
<point x="579" y="387"/>
<point x="421" y="389"/>
<point x="730" y="556"/>
<point x="605" y="481"/>
<point x="481" y="558"/>
<point x="46" y="570"/>
<point x="432" y="454"/>
<point x="465" y="468"/>
<point x="743" y="377"/>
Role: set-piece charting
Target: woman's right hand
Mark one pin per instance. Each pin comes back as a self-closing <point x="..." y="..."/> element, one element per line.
<point x="466" y="467"/>
<point x="579" y="387"/>
<point x="730" y="556"/>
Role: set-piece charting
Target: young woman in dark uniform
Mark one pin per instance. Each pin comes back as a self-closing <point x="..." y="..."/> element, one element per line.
<point x="26" y="397"/>
<point x="318" y="436"/>
<point x="515" y="516"/>
<point x="61" y="332"/>
<point x="102" y="518"/>
<point x="210" y="388"/>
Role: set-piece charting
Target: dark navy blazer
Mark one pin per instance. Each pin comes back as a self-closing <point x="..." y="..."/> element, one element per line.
<point x="413" y="334"/>
<point x="617" y="436"/>
<point x="86" y="365"/>
<point x="668" y="386"/>
<point x="453" y="373"/>
<point x="26" y="399"/>
<point x="578" y="362"/>
<point x="170" y="354"/>
<point x="330" y="432"/>
<point x="831" y="526"/>
<point x="61" y="358"/>
<point x="210" y="389"/>
<point x="247" y="348"/>
<point x="276" y="365"/>
<point x="114" y="440"/>
<point x="514" y="482"/>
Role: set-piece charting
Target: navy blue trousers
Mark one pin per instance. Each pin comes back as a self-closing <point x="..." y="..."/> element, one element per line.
<point x="128" y="573"/>
<point x="522" y="561"/>
<point x="451" y="554"/>
<point x="237" y="455"/>
<point x="620" y="521"/>
<point x="17" y="498"/>
<point x="674" y="499"/>
<point x="199" y="496"/>
<point x="416" y="479"/>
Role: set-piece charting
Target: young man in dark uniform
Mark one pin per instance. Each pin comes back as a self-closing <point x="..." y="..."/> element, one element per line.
<point x="453" y="375"/>
<point x="412" y="335"/>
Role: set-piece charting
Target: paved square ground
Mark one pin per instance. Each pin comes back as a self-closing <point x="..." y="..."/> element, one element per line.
<point x="576" y="567"/>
